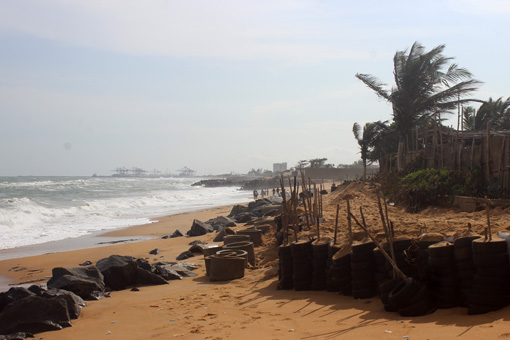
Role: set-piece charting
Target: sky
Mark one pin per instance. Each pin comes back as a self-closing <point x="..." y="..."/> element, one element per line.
<point x="220" y="86"/>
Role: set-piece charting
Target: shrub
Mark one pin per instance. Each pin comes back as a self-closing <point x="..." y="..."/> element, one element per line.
<point x="428" y="187"/>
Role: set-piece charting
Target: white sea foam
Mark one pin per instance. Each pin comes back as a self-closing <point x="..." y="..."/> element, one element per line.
<point x="38" y="210"/>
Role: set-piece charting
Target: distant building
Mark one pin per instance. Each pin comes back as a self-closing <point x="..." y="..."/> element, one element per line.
<point x="279" y="167"/>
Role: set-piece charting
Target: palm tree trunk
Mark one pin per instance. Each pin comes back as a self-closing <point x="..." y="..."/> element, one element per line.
<point x="364" y="169"/>
<point x="400" y="154"/>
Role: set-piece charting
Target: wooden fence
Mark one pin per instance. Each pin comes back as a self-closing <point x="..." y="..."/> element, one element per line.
<point x="488" y="151"/>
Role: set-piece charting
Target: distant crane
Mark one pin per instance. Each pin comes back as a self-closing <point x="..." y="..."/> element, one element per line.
<point x="186" y="172"/>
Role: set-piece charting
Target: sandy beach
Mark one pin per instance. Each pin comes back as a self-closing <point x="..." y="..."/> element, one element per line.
<point x="252" y="307"/>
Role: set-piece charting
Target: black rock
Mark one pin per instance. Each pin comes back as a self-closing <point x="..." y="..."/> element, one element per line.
<point x="134" y="289"/>
<point x="237" y="209"/>
<point x="37" y="289"/>
<point x="35" y="314"/>
<point x="155" y="251"/>
<point x="221" y="222"/>
<point x="17" y="336"/>
<point x="244" y="217"/>
<point x="86" y="263"/>
<point x="176" y="233"/>
<point x="144" y="264"/>
<point x="176" y="271"/>
<point x="185" y="255"/>
<point x="12" y="295"/>
<point x="199" y="228"/>
<point x="121" y="272"/>
<point x="74" y="302"/>
<point x="194" y="243"/>
<point x="219" y="237"/>
<point x="81" y="281"/>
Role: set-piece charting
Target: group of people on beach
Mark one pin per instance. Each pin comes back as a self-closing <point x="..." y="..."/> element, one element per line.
<point x="265" y="192"/>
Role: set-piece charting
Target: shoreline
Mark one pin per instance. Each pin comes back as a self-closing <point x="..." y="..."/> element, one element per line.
<point x="133" y="240"/>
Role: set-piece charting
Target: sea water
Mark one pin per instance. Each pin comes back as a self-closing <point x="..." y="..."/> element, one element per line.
<point x="35" y="210"/>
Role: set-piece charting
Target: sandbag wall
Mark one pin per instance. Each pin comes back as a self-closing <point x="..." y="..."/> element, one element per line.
<point x="471" y="272"/>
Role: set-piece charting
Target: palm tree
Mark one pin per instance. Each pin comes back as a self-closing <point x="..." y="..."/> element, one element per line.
<point x="367" y="139"/>
<point x="495" y="113"/>
<point x="469" y="118"/>
<point x="422" y="89"/>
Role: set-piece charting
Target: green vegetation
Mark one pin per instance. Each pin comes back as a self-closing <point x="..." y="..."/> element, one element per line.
<point x="428" y="86"/>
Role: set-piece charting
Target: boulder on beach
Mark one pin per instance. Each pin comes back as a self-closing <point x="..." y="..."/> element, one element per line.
<point x="155" y="251"/>
<point x="237" y="209"/>
<point x="221" y="221"/>
<point x="121" y="272"/>
<point x="82" y="281"/>
<point x="222" y="232"/>
<point x="199" y="228"/>
<point x="176" y="233"/>
<point x="73" y="301"/>
<point x="35" y="314"/>
<point x="185" y="255"/>
<point x="12" y="295"/>
<point x="244" y="217"/>
<point x="17" y="336"/>
<point x="175" y="271"/>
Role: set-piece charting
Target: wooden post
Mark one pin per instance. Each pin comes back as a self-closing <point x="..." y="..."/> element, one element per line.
<point x="336" y="222"/>
<point x="363" y="220"/>
<point x="349" y="224"/>
<point x="488" y="218"/>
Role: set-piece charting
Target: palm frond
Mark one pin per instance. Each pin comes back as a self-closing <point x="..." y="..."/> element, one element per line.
<point x="374" y="84"/>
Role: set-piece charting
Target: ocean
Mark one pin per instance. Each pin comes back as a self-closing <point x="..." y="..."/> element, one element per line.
<point x="36" y="210"/>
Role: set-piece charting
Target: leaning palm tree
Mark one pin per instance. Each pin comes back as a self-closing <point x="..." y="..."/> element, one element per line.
<point x="367" y="139"/>
<point x="422" y="89"/>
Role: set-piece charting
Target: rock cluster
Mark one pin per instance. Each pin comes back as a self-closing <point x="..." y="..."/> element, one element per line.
<point x="33" y="310"/>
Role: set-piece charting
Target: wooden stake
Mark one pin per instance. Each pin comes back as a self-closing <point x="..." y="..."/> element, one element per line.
<point x="363" y="220"/>
<point x="389" y="239"/>
<point x="488" y="219"/>
<point x="336" y="222"/>
<point x="349" y="224"/>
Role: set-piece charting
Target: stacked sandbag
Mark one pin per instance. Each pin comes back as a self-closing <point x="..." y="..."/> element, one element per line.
<point x="320" y="261"/>
<point x="285" y="267"/>
<point x="363" y="281"/>
<point x="302" y="265"/>
<point x="331" y="285"/>
<point x="443" y="284"/>
<point x="490" y="289"/>
<point x="464" y="265"/>
<point x="341" y="270"/>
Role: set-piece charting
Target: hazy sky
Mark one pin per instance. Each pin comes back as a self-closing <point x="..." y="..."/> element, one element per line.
<point x="87" y="86"/>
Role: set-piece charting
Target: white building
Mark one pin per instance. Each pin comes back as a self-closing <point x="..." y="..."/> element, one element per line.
<point x="279" y="167"/>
